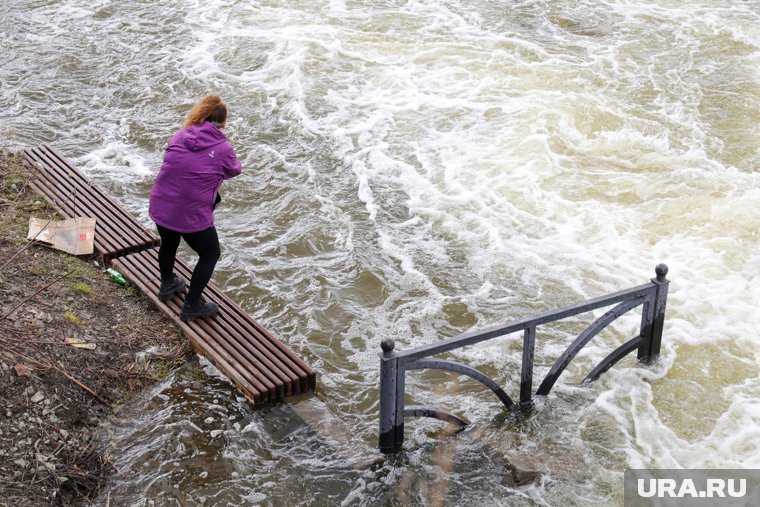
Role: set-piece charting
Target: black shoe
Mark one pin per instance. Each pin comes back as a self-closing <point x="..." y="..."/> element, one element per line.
<point x="170" y="288"/>
<point x="199" y="309"/>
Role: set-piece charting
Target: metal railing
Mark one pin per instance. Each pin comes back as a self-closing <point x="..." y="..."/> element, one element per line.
<point x="394" y="365"/>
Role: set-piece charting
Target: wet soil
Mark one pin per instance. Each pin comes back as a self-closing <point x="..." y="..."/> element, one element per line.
<point x="55" y="396"/>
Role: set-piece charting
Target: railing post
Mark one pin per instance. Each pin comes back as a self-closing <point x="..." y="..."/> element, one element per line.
<point x="659" y="309"/>
<point x="526" y="374"/>
<point x="391" y="421"/>
<point x="655" y="317"/>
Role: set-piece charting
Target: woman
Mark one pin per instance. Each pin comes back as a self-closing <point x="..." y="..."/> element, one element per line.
<point x="196" y="162"/>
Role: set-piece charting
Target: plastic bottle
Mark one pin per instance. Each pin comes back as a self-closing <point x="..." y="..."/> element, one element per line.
<point x="116" y="276"/>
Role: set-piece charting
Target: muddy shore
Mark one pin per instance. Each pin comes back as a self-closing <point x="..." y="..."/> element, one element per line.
<point x="55" y="396"/>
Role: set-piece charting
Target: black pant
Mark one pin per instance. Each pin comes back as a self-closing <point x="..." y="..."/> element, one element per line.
<point x="206" y="245"/>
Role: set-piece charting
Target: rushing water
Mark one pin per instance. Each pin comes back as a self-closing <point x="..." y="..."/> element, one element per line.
<point x="414" y="170"/>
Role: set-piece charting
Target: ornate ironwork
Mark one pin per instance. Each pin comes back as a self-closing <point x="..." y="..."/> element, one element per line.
<point x="652" y="297"/>
<point x="442" y="364"/>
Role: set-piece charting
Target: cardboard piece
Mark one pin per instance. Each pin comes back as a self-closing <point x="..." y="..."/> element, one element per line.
<point x="75" y="235"/>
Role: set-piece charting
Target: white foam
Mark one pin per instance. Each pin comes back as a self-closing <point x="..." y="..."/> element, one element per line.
<point x="531" y="158"/>
<point x="532" y="161"/>
<point x="118" y="161"/>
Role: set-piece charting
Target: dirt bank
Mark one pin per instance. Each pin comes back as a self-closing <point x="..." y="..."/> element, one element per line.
<point x="55" y="396"/>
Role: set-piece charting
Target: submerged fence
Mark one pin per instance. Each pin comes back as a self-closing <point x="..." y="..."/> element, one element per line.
<point x="394" y="365"/>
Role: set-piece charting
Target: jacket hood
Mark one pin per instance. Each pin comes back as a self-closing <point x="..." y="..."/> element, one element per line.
<point x="200" y="137"/>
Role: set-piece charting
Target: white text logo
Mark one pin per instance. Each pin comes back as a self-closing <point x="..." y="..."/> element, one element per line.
<point x="714" y="488"/>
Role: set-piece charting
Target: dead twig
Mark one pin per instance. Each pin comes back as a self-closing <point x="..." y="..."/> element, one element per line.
<point x="56" y="368"/>
<point x="16" y="353"/>
<point x="93" y="393"/>
<point x="33" y="295"/>
<point x="31" y="242"/>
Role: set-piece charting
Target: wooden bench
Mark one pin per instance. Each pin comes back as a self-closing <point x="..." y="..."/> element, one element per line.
<point x="257" y="363"/>
<point x="117" y="232"/>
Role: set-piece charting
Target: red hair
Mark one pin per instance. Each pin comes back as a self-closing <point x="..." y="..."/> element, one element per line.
<point x="210" y="108"/>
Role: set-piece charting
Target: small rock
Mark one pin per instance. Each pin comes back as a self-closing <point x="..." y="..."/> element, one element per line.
<point x="63" y="433"/>
<point x="38" y="397"/>
<point x="43" y="461"/>
<point x="20" y="462"/>
<point x="22" y="370"/>
<point x="30" y="390"/>
<point x="61" y="479"/>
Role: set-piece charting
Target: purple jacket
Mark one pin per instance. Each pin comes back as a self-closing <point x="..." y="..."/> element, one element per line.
<point x="197" y="161"/>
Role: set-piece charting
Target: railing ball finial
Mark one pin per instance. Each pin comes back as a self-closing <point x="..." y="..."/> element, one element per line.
<point x="662" y="271"/>
<point x="387" y="344"/>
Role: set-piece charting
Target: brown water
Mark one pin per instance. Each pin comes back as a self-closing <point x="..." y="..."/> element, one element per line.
<point x="415" y="170"/>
